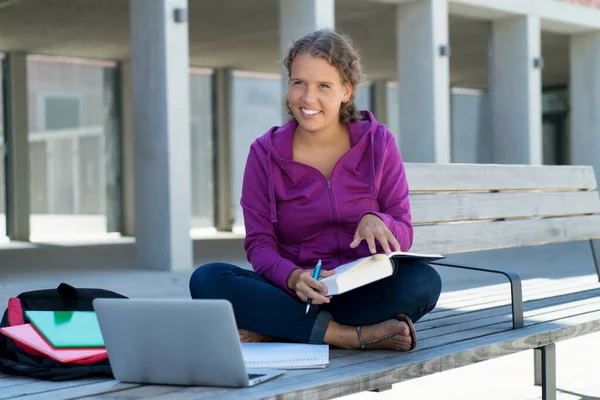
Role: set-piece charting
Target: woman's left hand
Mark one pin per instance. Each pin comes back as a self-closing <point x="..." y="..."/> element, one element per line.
<point x="371" y="228"/>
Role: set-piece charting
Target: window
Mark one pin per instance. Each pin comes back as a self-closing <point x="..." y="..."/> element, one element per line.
<point x="555" y="126"/>
<point x="59" y="111"/>
<point x="72" y="113"/>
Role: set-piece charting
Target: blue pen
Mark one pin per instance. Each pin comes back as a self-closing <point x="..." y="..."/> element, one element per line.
<point x="315" y="275"/>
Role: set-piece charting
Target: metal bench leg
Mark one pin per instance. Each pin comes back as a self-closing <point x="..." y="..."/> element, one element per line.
<point x="537" y="367"/>
<point x="595" y="243"/>
<point x="545" y="370"/>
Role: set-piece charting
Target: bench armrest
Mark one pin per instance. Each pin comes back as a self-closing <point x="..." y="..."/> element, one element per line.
<point x="516" y="290"/>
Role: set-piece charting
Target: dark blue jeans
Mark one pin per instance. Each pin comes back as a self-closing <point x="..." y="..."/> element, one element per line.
<point x="262" y="307"/>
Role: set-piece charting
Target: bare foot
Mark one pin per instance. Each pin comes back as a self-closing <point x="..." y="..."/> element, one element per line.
<point x="253" y="337"/>
<point x="346" y="337"/>
<point x="400" y="342"/>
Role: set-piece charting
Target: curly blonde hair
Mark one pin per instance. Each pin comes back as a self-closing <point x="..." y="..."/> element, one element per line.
<point x="340" y="52"/>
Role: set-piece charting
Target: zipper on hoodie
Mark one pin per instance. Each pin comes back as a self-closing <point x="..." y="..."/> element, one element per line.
<point x="330" y="191"/>
<point x="335" y="219"/>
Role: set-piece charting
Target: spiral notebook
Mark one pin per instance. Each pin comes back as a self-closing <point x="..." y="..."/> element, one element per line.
<point x="285" y="355"/>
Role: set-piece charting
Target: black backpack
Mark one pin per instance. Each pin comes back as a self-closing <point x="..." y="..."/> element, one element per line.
<point x="18" y="360"/>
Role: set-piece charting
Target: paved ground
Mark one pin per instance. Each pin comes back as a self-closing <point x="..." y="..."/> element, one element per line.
<point x="510" y="377"/>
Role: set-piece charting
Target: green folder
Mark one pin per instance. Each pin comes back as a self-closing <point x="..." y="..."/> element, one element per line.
<point x="67" y="329"/>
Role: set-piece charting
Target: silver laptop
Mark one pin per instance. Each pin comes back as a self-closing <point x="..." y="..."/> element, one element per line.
<point x="175" y="342"/>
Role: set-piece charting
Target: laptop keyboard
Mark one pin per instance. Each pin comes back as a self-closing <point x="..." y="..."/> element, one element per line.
<point x="254" y="376"/>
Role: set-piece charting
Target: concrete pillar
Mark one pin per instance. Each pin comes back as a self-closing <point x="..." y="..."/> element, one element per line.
<point x="223" y="115"/>
<point x="517" y="93"/>
<point x="161" y="126"/>
<point x="423" y="79"/>
<point x="112" y="150"/>
<point x="17" y="144"/>
<point x="296" y="19"/>
<point x="379" y="101"/>
<point x="127" y="152"/>
<point x="585" y="100"/>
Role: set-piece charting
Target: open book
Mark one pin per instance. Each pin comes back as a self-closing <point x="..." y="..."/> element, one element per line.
<point x="369" y="269"/>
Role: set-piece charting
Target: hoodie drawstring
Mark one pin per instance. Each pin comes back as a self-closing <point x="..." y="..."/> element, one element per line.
<point x="272" y="203"/>
<point x="373" y="177"/>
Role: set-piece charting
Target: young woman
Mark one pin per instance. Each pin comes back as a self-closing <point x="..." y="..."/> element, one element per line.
<point x="330" y="185"/>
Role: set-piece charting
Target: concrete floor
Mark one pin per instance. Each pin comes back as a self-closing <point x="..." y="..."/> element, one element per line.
<point x="510" y="377"/>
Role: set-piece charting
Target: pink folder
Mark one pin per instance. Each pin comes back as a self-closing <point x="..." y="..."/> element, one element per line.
<point x="26" y="334"/>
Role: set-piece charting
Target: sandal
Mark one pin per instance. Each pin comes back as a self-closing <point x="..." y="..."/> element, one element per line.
<point x="399" y="317"/>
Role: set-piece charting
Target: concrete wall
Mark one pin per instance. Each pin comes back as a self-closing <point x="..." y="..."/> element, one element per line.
<point x="471" y="135"/>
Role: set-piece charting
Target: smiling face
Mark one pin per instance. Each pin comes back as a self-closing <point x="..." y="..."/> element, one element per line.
<point x="315" y="93"/>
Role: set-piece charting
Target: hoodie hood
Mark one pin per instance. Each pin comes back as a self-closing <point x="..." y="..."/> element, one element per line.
<point x="276" y="144"/>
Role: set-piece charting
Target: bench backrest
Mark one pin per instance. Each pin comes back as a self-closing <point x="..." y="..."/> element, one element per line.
<point x="470" y="207"/>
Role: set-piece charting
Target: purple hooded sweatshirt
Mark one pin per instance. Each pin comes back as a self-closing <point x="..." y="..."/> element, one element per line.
<point x="294" y="216"/>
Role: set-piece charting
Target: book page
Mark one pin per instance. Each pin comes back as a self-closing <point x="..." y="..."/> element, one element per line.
<point x="354" y="264"/>
<point x="409" y="254"/>
<point x="347" y="267"/>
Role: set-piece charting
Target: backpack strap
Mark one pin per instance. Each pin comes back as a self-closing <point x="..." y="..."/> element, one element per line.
<point x="69" y="294"/>
<point x="15" y="312"/>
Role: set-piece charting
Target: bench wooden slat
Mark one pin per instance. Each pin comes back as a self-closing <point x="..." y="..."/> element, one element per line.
<point x="14" y="381"/>
<point x="85" y="389"/>
<point x="471" y="236"/>
<point x="36" y="386"/>
<point x="531" y="308"/>
<point x="475" y="304"/>
<point x="164" y="392"/>
<point x="500" y="299"/>
<point x="457" y="177"/>
<point x="539" y="316"/>
<point x="470" y="308"/>
<point x="432" y="208"/>
<point x="565" y="301"/>
<point x="529" y="285"/>
<point x="548" y="287"/>
<point x="541" y="311"/>
<point x="154" y="391"/>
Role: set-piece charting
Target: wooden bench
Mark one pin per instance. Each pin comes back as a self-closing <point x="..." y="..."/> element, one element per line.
<point x="456" y="208"/>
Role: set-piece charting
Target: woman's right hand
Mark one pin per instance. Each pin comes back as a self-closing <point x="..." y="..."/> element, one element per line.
<point x="302" y="282"/>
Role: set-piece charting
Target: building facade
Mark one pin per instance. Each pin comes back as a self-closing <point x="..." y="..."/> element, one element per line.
<point x="133" y="118"/>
